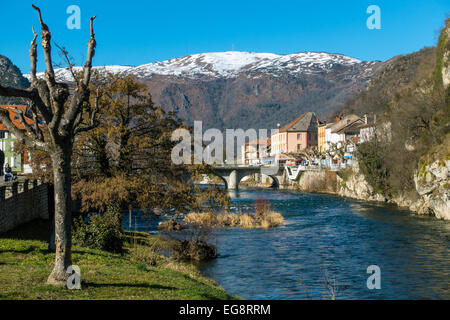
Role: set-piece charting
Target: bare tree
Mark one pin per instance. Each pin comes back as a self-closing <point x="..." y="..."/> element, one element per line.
<point x="64" y="113"/>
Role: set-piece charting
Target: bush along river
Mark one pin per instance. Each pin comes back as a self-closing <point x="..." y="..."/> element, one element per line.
<point x="325" y="248"/>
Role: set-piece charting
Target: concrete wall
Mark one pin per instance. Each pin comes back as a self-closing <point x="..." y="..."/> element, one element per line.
<point x="21" y="202"/>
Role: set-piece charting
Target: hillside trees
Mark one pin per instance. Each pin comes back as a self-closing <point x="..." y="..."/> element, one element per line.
<point x="64" y="114"/>
<point x="126" y="160"/>
<point x="415" y="112"/>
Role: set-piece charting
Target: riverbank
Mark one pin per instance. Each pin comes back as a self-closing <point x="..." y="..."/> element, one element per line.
<point x="431" y="197"/>
<point x="25" y="264"/>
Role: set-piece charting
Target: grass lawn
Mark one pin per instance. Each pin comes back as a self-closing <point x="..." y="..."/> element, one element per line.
<point x="25" y="264"/>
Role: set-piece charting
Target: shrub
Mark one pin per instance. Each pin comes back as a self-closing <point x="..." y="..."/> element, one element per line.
<point x="260" y="219"/>
<point x="194" y="250"/>
<point x="228" y="220"/>
<point x="102" y="232"/>
<point x="370" y="157"/>
<point x="170" y="225"/>
<point x="204" y="219"/>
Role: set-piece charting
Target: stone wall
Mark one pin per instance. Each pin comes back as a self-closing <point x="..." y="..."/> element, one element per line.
<point x="21" y="202"/>
<point x="321" y="180"/>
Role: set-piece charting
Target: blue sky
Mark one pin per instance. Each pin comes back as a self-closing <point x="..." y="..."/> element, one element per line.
<point x="136" y="32"/>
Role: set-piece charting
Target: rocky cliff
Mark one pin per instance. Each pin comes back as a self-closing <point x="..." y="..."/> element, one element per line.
<point x="10" y="75"/>
<point x="432" y="186"/>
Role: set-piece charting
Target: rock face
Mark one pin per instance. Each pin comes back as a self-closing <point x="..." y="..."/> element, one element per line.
<point x="317" y="181"/>
<point x="355" y="186"/>
<point x="444" y="46"/>
<point x="433" y="185"/>
<point x="11" y="76"/>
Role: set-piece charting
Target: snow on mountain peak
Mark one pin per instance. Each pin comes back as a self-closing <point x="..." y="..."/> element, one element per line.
<point x="229" y="64"/>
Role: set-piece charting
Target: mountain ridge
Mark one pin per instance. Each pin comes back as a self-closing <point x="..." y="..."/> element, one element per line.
<point x="230" y="64"/>
<point x="236" y="89"/>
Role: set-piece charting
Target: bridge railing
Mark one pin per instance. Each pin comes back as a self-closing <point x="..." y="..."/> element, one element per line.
<point x="243" y="166"/>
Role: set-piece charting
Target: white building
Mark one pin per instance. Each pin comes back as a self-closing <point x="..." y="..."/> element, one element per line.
<point x="342" y="129"/>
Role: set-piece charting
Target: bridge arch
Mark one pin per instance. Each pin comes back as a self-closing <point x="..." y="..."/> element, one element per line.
<point x="232" y="176"/>
<point x="225" y="182"/>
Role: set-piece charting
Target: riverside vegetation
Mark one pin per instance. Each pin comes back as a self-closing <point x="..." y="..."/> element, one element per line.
<point x="138" y="272"/>
<point x="193" y="238"/>
<point x="263" y="217"/>
<point x="99" y="139"/>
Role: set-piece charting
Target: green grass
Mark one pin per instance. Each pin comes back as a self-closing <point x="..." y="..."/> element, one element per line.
<point x="25" y="264"/>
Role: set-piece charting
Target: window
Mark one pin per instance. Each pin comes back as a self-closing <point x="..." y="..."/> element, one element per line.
<point x="2" y="134"/>
<point x="299" y="147"/>
<point x="299" y="136"/>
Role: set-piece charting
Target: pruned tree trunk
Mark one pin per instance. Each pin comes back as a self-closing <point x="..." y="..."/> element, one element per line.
<point x="62" y="120"/>
<point x="63" y="215"/>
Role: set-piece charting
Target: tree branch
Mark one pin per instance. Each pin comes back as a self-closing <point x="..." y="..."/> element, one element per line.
<point x="32" y="94"/>
<point x="6" y="121"/>
<point x="93" y="122"/>
<point x="46" y="39"/>
<point x="69" y="63"/>
<point x="33" y="57"/>
<point x="82" y="92"/>
<point x="18" y="93"/>
<point x="90" y="54"/>
<point x="27" y="127"/>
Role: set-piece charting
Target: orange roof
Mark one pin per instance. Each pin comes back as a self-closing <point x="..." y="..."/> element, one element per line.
<point x="15" y="117"/>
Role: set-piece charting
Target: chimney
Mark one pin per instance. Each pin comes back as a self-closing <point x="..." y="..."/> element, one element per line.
<point x="365" y="118"/>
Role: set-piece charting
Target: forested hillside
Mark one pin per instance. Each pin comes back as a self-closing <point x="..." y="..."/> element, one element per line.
<point x="411" y="98"/>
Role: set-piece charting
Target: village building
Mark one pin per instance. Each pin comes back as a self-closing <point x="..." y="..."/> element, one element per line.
<point x="254" y="152"/>
<point x="321" y="136"/>
<point x="19" y="163"/>
<point x="296" y="136"/>
<point x="344" y="128"/>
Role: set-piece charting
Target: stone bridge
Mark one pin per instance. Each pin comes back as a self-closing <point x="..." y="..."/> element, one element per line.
<point x="233" y="174"/>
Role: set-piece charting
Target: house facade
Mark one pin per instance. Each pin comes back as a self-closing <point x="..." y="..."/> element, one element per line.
<point x="254" y="152"/>
<point x="296" y="136"/>
<point x="19" y="163"/>
<point x="321" y="137"/>
<point x="341" y="130"/>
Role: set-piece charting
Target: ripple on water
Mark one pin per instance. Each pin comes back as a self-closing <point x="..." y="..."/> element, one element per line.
<point x="327" y="237"/>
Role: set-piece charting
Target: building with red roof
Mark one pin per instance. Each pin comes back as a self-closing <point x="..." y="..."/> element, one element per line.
<point x="20" y="163"/>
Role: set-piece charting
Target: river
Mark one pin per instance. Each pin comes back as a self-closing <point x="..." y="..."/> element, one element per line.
<point x="325" y="248"/>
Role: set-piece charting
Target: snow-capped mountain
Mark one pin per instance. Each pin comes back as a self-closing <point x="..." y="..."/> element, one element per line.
<point x="233" y="64"/>
<point x="249" y="90"/>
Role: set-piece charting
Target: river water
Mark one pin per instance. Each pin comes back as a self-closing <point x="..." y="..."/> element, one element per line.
<point x="325" y="248"/>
